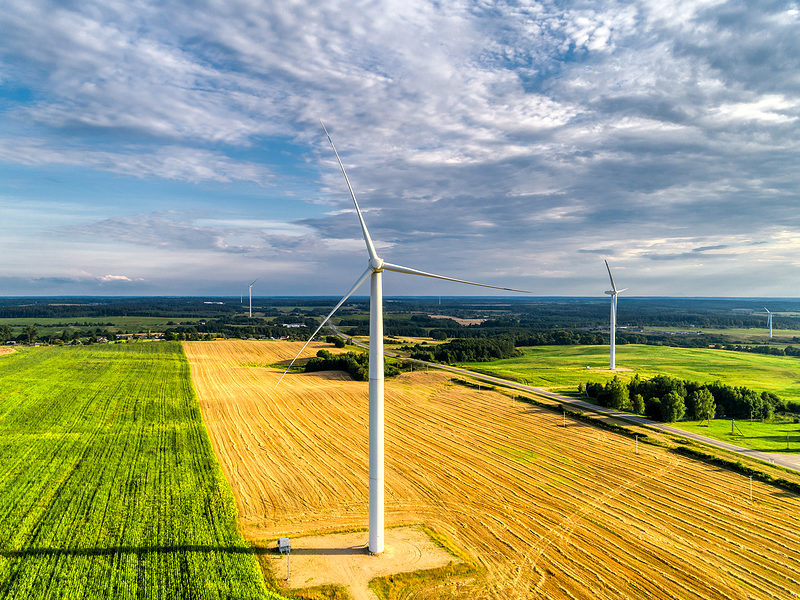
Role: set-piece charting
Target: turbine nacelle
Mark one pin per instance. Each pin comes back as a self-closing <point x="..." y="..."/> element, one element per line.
<point x="376" y="264"/>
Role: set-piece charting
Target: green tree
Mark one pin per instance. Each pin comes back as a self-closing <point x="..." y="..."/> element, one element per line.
<point x="638" y="403"/>
<point x="673" y="407"/>
<point x="335" y="340"/>
<point x="653" y="409"/>
<point x="767" y="411"/>
<point x="5" y="333"/>
<point x="30" y="333"/>
<point x="616" y="394"/>
<point x="703" y="404"/>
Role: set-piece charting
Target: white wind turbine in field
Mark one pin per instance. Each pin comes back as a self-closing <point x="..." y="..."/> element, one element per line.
<point x="374" y="271"/>
<point x="613" y="329"/>
<point x="769" y="321"/>
<point x="250" y="292"/>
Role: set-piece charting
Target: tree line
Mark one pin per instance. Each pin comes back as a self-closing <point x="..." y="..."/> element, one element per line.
<point x="465" y="350"/>
<point x="769" y="350"/>
<point x="668" y="399"/>
<point x="356" y="364"/>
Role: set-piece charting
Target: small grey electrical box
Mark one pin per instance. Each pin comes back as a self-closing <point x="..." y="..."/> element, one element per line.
<point x="283" y="546"/>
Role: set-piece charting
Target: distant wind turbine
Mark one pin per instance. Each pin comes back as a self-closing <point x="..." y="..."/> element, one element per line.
<point x="374" y="272"/>
<point x="769" y="321"/>
<point x="613" y="329"/>
<point x="250" y="292"/>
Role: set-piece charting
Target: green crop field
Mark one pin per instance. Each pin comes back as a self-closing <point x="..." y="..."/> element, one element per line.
<point x="565" y="366"/>
<point x="753" y="335"/>
<point x="767" y="437"/>
<point x="109" y="487"/>
<point x="50" y="325"/>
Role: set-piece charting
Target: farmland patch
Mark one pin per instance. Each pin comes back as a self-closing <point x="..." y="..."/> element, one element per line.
<point x="605" y="523"/>
<point x="109" y="487"/>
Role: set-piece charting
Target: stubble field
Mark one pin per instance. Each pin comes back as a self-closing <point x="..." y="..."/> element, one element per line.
<point x="538" y="509"/>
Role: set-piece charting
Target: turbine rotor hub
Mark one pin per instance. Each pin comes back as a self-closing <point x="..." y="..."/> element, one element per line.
<point x="376" y="264"/>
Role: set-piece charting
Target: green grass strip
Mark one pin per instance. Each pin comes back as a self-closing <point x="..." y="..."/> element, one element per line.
<point x="109" y="487"/>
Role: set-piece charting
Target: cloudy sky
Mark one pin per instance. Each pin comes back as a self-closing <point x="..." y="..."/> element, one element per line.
<point x="152" y="149"/>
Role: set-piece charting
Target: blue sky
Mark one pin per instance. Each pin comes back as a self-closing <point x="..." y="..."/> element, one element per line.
<point x="152" y="149"/>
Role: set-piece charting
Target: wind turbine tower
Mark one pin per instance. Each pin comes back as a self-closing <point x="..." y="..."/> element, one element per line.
<point x="613" y="329"/>
<point x="250" y="292"/>
<point x="769" y="321"/>
<point x="374" y="272"/>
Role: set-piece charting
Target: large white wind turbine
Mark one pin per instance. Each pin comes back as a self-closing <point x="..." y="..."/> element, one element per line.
<point x="613" y="329"/>
<point x="250" y="292"/>
<point x="374" y="272"/>
<point x="769" y="321"/>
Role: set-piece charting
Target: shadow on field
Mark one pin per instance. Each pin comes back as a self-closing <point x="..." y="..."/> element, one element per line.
<point x="130" y="550"/>
<point x="783" y="494"/>
<point x="351" y="551"/>
<point x="31" y="552"/>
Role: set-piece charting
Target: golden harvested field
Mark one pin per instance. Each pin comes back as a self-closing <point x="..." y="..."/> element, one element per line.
<point x="541" y="510"/>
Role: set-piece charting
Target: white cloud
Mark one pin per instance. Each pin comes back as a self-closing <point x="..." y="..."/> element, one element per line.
<point x="771" y="108"/>
<point x="114" y="278"/>
<point x="168" y="162"/>
<point x="488" y="125"/>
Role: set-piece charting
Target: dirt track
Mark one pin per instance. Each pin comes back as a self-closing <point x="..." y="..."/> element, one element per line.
<point x="546" y="511"/>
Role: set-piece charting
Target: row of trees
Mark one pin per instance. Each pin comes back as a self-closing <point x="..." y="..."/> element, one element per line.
<point x="356" y="364"/>
<point x="238" y="328"/>
<point x="31" y="334"/>
<point x="466" y="350"/>
<point x="770" y="350"/>
<point x="668" y="399"/>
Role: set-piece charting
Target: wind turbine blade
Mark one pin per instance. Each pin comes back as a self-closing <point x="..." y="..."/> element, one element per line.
<point x="367" y="238"/>
<point x="622" y="290"/>
<point x="399" y="269"/>
<point x="254" y="282"/>
<point x="613" y="287"/>
<point x="766" y="309"/>
<point x="358" y="283"/>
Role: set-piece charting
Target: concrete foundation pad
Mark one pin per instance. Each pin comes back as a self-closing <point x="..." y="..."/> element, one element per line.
<point x="343" y="559"/>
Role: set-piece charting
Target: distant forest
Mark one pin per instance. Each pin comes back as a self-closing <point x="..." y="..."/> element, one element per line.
<point x="519" y="321"/>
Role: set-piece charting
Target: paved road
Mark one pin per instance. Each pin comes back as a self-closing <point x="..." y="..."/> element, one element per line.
<point x="790" y="461"/>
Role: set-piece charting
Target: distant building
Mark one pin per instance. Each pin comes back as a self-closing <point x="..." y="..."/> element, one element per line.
<point x="293" y="325"/>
